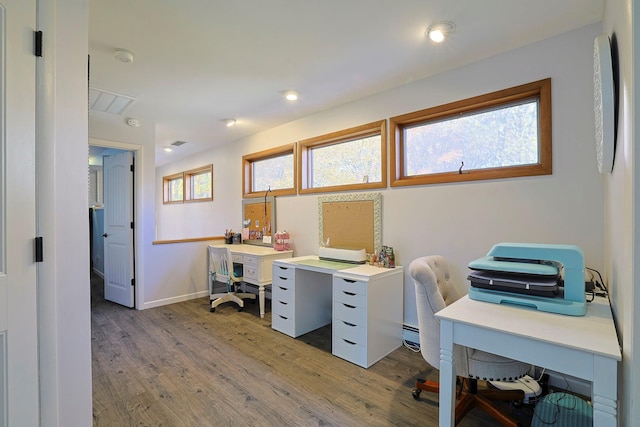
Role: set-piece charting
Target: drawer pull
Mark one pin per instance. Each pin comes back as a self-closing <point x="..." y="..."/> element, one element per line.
<point x="284" y="289"/>
<point x="350" y="281"/>
<point x="283" y="303"/>
<point x="283" y="278"/>
<point x="283" y="268"/>
<point x="348" y="342"/>
<point x="349" y="305"/>
<point x="351" y="294"/>
<point x="283" y="317"/>
<point x="349" y="324"/>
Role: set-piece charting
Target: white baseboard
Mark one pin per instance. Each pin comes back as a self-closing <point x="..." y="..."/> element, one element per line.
<point x="173" y="300"/>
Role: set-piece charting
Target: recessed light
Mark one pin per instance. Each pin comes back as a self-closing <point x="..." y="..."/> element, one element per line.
<point x="229" y="122"/>
<point x="168" y="149"/>
<point x="291" y="95"/>
<point x="439" y="31"/>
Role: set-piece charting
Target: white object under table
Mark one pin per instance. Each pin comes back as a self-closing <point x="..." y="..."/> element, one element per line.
<point x="256" y="265"/>
<point x="364" y="303"/>
<point x="581" y="346"/>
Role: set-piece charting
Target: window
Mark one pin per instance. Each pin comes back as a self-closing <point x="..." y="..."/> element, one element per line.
<point x="173" y="188"/>
<point x="352" y="159"/>
<point x="498" y="135"/>
<point x="195" y="185"/>
<point x="272" y="169"/>
<point x="199" y="184"/>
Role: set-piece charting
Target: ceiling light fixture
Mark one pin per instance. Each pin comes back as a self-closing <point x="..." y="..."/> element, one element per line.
<point x="229" y="122"/>
<point x="133" y="122"/>
<point x="168" y="149"/>
<point x="291" y="95"/>
<point x="123" y="55"/>
<point x="439" y="31"/>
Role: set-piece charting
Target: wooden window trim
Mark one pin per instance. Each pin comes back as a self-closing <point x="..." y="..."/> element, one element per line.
<point x="165" y="188"/>
<point x="247" y="171"/>
<point x="540" y="90"/>
<point x="188" y="176"/>
<point x="363" y="131"/>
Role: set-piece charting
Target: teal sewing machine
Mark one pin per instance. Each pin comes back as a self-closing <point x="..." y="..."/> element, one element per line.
<point x="535" y="260"/>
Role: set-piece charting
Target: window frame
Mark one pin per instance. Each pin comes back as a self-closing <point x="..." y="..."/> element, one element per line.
<point x="166" y="180"/>
<point x="540" y="90"/>
<point x="306" y="146"/>
<point x="247" y="171"/>
<point x="187" y="192"/>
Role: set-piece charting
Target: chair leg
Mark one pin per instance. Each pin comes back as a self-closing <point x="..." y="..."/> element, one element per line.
<point x="501" y="417"/>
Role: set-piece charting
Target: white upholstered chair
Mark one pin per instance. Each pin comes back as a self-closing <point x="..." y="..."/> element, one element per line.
<point x="221" y="270"/>
<point x="434" y="291"/>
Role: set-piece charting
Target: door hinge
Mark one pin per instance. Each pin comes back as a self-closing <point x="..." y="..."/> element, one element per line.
<point x="38" y="249"/>
<point x="132" y="225"/>
<point x="131" y="168"/>
<point x="37" y="48"/>
<point x="133" y="282"/>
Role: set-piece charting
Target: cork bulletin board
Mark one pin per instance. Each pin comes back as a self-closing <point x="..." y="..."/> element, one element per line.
<point x="351" y="221"/>
<point x="261" y="217"/>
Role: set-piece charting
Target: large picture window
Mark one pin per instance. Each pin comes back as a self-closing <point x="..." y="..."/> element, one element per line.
<point x="352" y="159"/>
<point x="498" y="135"/>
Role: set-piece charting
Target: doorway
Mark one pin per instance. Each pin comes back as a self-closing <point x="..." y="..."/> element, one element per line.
<point x="112" y="254"/>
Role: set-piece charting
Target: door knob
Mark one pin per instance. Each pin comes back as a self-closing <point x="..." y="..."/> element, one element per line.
<point x="105" y="235"/>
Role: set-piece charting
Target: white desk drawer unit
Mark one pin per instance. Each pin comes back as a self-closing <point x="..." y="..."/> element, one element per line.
<point x="300" y="300"/>
<point x="367" y="316"/>
<point x="363" y="303"/>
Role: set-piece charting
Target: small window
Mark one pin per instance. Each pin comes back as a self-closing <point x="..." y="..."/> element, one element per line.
<point x="270" y="170"/>
<point x="498" y="135"/>
<point x="199" y="184"/>
<point x="173" y="188"/>
<point x="352" y="159"/>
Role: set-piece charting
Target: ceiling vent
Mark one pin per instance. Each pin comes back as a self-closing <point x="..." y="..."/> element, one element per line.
<point x="108" y="102"/>
<point x="178" y="143"/>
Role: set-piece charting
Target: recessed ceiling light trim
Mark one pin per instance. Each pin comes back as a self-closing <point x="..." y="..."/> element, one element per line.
<point x="291" y="95"/>
<point x="123" y="55"/>
<point x="439" y="31"/>
<point x="229" y="122"/>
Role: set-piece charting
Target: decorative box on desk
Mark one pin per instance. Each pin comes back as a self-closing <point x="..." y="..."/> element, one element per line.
<point x="365" y="304"/>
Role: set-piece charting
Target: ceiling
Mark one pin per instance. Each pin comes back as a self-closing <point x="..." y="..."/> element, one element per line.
<point x="197" y="62"/>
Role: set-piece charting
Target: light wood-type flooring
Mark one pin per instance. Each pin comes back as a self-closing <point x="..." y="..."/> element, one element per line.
<point x="180" y="365"/>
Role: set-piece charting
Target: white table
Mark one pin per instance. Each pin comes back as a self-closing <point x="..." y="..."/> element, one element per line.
<point x="256" y="265"/>
<point x="581" y="346"/>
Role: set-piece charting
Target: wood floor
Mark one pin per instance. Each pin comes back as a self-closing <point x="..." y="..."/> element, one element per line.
<point x="180" y="365"/>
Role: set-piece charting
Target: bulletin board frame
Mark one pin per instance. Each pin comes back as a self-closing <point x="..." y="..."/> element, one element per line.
<point x="351" y="221"/>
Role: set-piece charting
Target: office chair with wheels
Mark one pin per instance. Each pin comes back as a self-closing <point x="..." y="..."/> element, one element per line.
<point x="221" y="270"/>
<point x="434" y="291"/>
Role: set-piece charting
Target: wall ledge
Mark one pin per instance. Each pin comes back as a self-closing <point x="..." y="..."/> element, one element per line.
<point x="195" y="239"/>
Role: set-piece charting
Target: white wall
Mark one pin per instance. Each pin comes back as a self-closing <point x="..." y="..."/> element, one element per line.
<point x="622" y="213"/>
<point x="462" y="220"/>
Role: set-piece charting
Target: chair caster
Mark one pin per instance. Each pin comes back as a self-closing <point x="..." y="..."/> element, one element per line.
<point x="212" y="310"/>
<point x="416" y="393"/>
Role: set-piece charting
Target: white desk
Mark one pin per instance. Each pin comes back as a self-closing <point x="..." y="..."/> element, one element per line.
<point x="582" y="346"/>
<point x="364" y="303"/>
<point x="256" y="265"/>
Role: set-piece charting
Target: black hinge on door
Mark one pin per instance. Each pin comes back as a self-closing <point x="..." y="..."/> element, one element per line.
<point x="132" y="225"/>
<point x="37" y="47"/>
<point x="133" y="282"/>
<point x="131" y="168"/>
<point x="38" y="249"/>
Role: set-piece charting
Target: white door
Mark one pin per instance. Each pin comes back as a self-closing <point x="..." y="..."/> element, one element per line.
<point x="19" y="389"/>
<point x="118" y="228"/>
